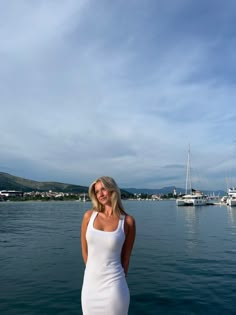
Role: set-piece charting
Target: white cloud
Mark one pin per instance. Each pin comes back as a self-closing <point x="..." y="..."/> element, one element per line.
<point x="88" y="88"/>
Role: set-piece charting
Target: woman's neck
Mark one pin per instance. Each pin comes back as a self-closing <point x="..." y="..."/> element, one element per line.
<point x="108" y="211"/>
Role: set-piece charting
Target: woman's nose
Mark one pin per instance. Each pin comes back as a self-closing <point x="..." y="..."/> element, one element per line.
<point x="100" y="193"/>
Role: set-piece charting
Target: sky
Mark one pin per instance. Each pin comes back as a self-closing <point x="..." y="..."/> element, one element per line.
<point x="119" y="88"/>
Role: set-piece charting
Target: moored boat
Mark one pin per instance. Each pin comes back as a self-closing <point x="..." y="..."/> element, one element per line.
<point x="231" y="198"/>
<point x="192" y="197"/>
<point x="232" y="201"/>
<point x="213" y="200"/>
<point x="195" y="199"/>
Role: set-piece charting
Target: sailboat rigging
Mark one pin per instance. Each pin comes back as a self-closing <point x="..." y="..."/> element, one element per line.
<point x="192" y="197"/>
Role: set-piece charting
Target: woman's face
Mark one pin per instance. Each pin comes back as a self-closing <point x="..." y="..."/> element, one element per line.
<point x="102" y="194"/>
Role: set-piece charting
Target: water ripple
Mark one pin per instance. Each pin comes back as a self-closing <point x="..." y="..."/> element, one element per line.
<point x="183" y="260"/>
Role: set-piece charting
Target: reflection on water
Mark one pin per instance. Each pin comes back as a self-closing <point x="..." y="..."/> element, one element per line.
<point x="232" y="215"/>
<point x="190" y="215"/>
<point x="231" y="211"/>
<point x="183" y="260"/>
<point x="190" y="229"/>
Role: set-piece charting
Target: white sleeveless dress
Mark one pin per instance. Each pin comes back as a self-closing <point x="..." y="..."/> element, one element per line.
<point x="105" y="290"/>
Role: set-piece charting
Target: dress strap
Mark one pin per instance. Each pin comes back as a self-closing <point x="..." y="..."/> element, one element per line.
<point x="122" y="219"/>
<point x="92" y="218"/>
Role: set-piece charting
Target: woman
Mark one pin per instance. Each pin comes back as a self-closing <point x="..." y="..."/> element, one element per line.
<point x="107" y="238"/>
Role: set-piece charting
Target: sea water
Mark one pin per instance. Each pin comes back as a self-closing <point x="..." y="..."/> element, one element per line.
<point x="183" y="261"/>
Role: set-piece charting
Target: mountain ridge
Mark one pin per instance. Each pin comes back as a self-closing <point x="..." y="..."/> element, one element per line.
<point x="169" y="190"/>
<point x="12" y="182"/>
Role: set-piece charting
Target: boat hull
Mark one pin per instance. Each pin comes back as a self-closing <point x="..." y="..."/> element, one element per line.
<point x="192" y="200"/>
<point x="232" y="202"/>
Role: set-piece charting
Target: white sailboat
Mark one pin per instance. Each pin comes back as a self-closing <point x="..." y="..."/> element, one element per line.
<point x="181" y="200"/>
<point x="192" y="197"/>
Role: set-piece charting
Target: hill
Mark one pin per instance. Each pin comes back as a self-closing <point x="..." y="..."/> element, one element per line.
<point x="10" y="182"/>
<point x="164" y="190"/>
<point x="170" y="189"/>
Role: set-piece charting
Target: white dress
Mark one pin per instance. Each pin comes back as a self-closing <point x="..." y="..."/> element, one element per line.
<point x="105" y="290"/>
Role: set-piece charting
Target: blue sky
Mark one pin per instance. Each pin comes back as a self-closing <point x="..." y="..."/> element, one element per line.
<point x="119" y="88"/>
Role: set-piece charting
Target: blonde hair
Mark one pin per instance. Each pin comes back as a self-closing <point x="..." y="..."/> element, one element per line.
<point x="110" y="185"/>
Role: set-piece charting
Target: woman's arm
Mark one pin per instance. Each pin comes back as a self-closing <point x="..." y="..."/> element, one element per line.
<point x="130" y="232"/>
<point x="84" y="225"/>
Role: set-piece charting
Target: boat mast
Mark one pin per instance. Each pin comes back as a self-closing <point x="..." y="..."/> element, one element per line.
<point x="188" y="174"/>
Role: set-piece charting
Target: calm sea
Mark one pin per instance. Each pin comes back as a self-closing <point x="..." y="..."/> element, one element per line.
<point x="183" y="262"/>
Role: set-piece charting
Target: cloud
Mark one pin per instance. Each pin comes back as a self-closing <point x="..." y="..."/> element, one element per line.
<point x="121" y="88"/>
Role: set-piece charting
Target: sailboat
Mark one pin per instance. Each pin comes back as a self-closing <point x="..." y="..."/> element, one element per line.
<point x="192" y="197"/>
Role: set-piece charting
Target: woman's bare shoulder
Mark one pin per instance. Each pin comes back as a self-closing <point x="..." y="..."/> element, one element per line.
<point x="130" y="221"/>
<point x="130" y="226"/>
<point x="87" y="214"/>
